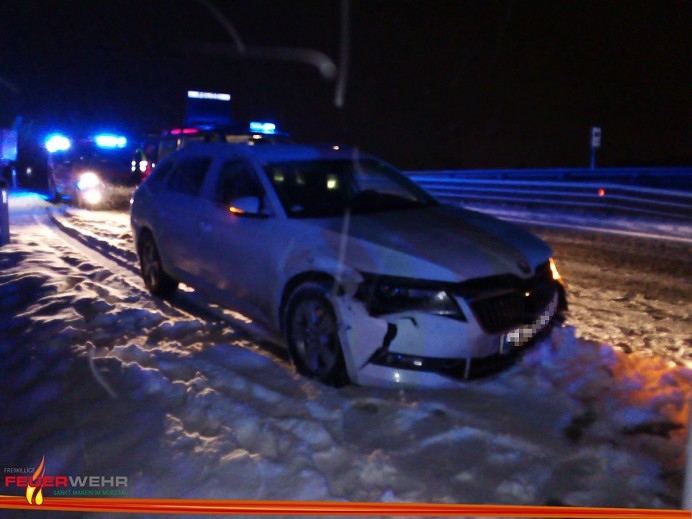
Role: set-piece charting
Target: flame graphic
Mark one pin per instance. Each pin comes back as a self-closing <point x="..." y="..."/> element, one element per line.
<point x="31" y="489"/>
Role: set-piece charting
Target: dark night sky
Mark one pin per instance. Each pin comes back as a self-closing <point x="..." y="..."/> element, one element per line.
<point x="431" y="84"/>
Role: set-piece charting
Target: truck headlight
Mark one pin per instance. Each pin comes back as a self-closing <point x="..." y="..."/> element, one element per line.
<point x="92" y="196"/>
<point x="88" y="180"/>
<point x="383" y="295"/>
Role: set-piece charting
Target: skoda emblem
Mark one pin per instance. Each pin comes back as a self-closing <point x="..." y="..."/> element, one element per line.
<point x="524" y="266"/>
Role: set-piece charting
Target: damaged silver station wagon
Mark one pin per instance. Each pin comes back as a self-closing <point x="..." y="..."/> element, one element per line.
<point x="365" y="275"/>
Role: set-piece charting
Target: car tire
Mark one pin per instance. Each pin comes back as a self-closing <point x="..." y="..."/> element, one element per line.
<point x="311" y="333"/>
<point x="157" y="281"/>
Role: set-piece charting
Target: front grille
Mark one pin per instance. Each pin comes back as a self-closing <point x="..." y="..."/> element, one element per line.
<point x="501" y="303"/>
<point x="499" y="313"/>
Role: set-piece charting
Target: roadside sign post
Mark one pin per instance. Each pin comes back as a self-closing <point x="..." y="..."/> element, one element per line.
<point x="8" y="153"/>
<point x="595" y="144"/>
<point x="4" y="213"/>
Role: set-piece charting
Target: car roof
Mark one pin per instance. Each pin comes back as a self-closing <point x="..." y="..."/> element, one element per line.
<point x="273" y="153"/>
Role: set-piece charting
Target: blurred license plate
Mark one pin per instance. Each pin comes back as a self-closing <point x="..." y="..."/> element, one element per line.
<point x="523" y="334"/>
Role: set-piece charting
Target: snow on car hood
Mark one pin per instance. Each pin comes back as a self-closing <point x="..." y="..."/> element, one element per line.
<point x="443" y="243"/>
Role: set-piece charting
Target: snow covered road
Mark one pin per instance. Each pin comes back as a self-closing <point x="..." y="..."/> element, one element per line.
<point x="186" y="401"/>
<point x="630" y="278"/>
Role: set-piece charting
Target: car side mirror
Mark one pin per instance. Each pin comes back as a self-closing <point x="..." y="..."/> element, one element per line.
<point x="247" y="206"/>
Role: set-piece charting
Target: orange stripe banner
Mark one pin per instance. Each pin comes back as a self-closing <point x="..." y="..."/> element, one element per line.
<point x="194" y="506"/>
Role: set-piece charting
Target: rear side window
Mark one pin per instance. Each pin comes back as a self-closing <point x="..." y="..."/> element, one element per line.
<point x="167" y="146"/>
<point x="201" y="137"/>
<point x="188" y="176"/>
<point x="158" y="176"/>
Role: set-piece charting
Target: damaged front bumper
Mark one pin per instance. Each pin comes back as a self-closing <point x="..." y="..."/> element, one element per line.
<point x="419" y="349"/>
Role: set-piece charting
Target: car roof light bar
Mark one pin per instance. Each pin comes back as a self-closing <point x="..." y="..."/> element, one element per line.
<point x="178" y="131"/>
<point x="110" y="141"/>
<point x="261" y="127"/>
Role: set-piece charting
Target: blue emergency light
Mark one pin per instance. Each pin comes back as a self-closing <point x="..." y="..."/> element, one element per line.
<point x="262" y="127"/>
<point x="57" y="142"/>
<point x="110" y="141"/>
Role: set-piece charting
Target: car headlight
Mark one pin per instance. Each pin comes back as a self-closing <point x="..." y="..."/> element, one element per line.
<point x="383" y="295"/>
<point x="88" y="180"/>
<point x="553" y="270"/>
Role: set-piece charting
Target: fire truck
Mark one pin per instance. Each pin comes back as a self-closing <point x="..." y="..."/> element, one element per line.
<point x="92" y="171"/>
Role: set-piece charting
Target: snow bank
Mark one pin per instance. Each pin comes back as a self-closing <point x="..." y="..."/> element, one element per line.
<point x="103" y="379"/>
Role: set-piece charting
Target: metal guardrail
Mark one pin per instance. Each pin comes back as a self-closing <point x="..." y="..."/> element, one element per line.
<point x="663" y="178"/>
<point x="628" y="199"/>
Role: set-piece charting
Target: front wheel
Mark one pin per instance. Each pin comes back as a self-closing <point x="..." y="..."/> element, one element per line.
<point x="156" y="280"/>
<point x="312" y="335"/>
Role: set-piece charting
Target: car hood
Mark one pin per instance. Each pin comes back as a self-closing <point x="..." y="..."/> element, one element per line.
<point x="442" y="243"/>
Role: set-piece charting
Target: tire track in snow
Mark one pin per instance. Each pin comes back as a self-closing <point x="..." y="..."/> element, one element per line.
<point x="89" y="243"/>
<point x="186" y="299"/>
<point x="102" y="250"/>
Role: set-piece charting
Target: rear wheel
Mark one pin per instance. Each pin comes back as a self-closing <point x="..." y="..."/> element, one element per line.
<point x="312" y="335"/>
<point x="156" y="280"/>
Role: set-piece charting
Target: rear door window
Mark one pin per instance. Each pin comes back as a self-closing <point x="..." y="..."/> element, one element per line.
<point x="237" y="180"/>
<point x="188" y="176"/>
<point x="158" y="176"/>
<point x="167" y="146"/>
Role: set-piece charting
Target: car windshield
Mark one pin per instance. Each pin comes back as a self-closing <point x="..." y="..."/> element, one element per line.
<point x="89" y="153"/>
<point x="328" y="188"/>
